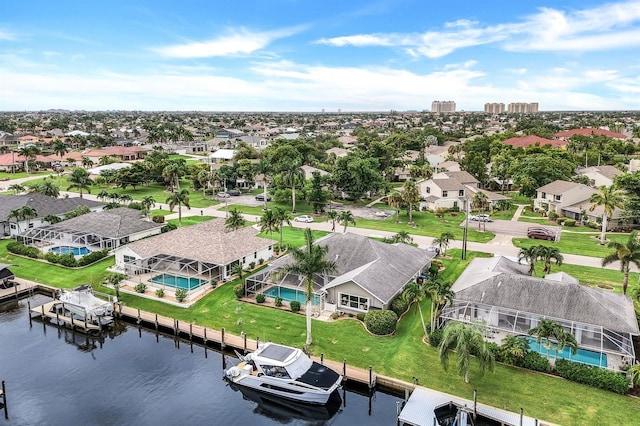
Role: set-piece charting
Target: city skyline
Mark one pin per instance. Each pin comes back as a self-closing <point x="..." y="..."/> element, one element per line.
<point x="308" y="57"/>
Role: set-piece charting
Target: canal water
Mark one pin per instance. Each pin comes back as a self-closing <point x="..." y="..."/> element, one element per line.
<point x="137" y="377"/>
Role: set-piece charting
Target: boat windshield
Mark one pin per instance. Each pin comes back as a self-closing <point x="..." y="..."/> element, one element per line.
<point x="300" y="366"/>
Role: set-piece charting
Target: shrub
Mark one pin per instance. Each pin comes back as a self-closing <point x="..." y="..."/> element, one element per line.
<point x="168" y="227"/>
<point x="593" y="225"/>
<point x="295" y="305"/>
<point x="136" y="205"/>
<point x="157" y="218"/>
<point x="561" y="220"/>
<point x="381" y="322"/>
<point x="19" y="248"/>
<point x="239" y="290"/>
<point x="67" y="260"/>
<point x="335" y="316"/>
<point x="593" y="376"/>
<point x="553" y="215"/>
<point x="260" y="298"/>
<point x="141" y="288"/>
<point x="360" y="316"/>
<point x="160" y="293"/>
<point x="570" y="222"/>
<point x="534" y="361"/>
<point x="93" y="257"/>
<point x="399" y="306"/>
<point x="181" y="294"/>
<point x="278" y="301"/>
<point x="435" y="337"/>
<point x="252" y="265"/>
<point x="260" y="261"/>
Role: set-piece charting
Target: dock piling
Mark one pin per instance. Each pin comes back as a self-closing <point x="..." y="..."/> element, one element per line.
<point x="204" y="340"/>
<point x="29" y="307"/>
<point x="370" y="377"/>
<point x="322" y="359"/>
<point x="344" y="367"/>
<point x="139" y="319"/>
<point x="4" y="400"/>
<point x="222" y="344"/>
<point x="245" y="342"/>
<point x="190" y="331"/>
<point x="156" y="322"/>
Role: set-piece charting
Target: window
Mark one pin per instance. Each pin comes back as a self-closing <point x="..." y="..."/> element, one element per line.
<point x="557" y="197"/>
<point x="428" y="190"/>
<point x="128" y="259"/>
<point x="455" y="204"/>
<point x="255" y="254"/>
<point x="543" y="195"/>
<point x="354" y="302"/>
<point x="461" y="193"/>
<point x="445" y="194"/>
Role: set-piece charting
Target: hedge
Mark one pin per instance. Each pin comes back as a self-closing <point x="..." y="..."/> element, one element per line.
<point x="593" y="376"/>
<point x="67" y="260"/>
<point x="399" y="306"/>
<point x="295" y="305"/>
<point x="381" y="322"/>
<point x="435" y="337"/>
<point x="534" y="361"/>
<point x="18" y="248"/>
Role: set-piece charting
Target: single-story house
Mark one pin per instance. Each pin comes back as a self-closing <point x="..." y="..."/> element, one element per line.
<point x="600" y="175"/>
<point x="96" y="230"/>
<point x="203" y="252"/>
<point x="498" y="293"/>
<point x="370" y="274"/>
<point x="43" y="205"/>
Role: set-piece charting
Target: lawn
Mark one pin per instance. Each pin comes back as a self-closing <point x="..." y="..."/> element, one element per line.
<point x="517" y="198"/>
<point x="19" y="175"/>
<point x="292" y="236"/>
<point x="403" y="355"/>
<point x="594" y="276"/>
<point x="575" y="243"/>
<point x="190" y="220"/>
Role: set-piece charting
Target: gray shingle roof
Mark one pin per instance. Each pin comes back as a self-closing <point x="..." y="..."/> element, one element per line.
<point x="42" y="204"/>
<point x="448" y="184"/>
<point x="561" y="186"/>
<point x="207" y="242"/>
<point x="503" y="283"/>
<point x="115" y="223"/>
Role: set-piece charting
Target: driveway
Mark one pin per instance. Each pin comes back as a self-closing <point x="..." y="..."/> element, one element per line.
<point x="508" y="227"/>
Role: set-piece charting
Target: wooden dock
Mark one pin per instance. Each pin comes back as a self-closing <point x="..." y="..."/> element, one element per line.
<point x="46" y="312"/>
<point x="18" y="290"/>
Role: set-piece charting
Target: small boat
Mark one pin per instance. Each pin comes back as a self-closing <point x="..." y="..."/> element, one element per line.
<point x="80" y="303"/>
<point x="285" y="372"/>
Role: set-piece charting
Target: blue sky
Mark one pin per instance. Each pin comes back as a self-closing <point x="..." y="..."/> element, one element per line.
<point x="298" y="55"/>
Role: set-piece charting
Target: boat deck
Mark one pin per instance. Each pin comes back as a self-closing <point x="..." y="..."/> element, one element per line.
<point x="45" y="311"/>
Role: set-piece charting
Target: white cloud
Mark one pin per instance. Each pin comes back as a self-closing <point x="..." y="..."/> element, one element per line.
<point x="7" y="35"/>
<point x="237" y="42"/>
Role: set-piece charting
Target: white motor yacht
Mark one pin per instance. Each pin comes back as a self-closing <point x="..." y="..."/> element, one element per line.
<point x="82" y="303"/>
<point x="285" y="372"/>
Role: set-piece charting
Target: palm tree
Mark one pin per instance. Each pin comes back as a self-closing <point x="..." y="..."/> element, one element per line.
<point x="410" y="195"/>
<point x="79" y="179"/>
<point x="402" y="237"/>
<point x="414" y="293"/>
<point x="126" y="199"/>
<point x="264" y="168"/>
<point x="346" y="218"/>
<point x="87" y="162"/>
<point x="282" y="216"/>
<point x="440" y="294"/>
<point x="17" y="188"/>
<point x="114" y="279"/>
<point x="443" y="241"/>
<point x="148" y="202"/>
<point x="103" y="195"/>
<point x="59" y="148"/>
<point x="547" y="254"/>
<point x="173" y="171"/>
<point x="332" y="215"/>
<point x="530" y="255"/>
<point x="395" y="200"/>
<point x="634" y="374"/>
<point x="47" y="187"/>
<point x="610" y="199"/>
<point x="268" y="222"/>
<point x="513" y="349"/>
<point x="17" y="215"/>
<point x="292" y="175"/>
<point x="179" y="199"/>
<point x="465" y="340"/>
<point x="480" y="201"/>
<point x="235" y="220"/>
<point x="29" y="153"/>
<point x="237" y="269"/>
<point x="308" y="262"/>
<point x="626" y="254"/>
<point x="549" y="329"/>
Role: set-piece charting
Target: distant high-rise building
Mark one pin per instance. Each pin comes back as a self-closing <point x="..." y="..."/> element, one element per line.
<point x="494" y="108"/>
<point x="523" y="107"/>
<point x="443" y="106"/>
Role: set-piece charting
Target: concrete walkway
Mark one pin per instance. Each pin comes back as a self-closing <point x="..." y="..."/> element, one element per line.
<point x="518" y="212"/>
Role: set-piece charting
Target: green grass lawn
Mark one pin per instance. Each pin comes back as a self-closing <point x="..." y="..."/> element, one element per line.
<point x="517" y="198"/>
<point x="19" y="175"/>
<point x="292" y="236"/>
<point x="190" y="220"/>
<point x="161" y="212"/>
<point x="403" y="355"/>
<point x="503" y="214"/>
<point x="538" y="220"/>
<point x="575" y="243"/>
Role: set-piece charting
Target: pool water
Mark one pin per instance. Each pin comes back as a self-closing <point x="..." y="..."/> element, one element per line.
<point x="178" y="281"/>
<point x="583" y="356"/>
<point x="289" y="294"/>
<point x="76" y="251"/>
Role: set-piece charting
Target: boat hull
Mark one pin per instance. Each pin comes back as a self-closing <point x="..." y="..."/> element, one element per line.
<point x="286" y="389"/>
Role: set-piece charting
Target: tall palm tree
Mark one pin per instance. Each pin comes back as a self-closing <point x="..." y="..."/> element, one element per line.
<point x="549" y="329"/>
<point x="47" y="187"/>
<point x="395" y="200"/>
<point x="293" y="175"/>
<point x="235" y="220"/>
<point x="464" y="340"/>
<point x="346" y="218"/>
<point x="148" y="202"/>
<point x="414" y="293"/>
<point x="126" y="199"/>
<point x="29" y="153"/>
<point x="610" y="199"/>
<point x="79" y="179"/>
<point x="626" y="254"/>
<point x="103" y="195"/>
<point x="264" y="168"/>
<point x="410" y="195"/>
<point x="443" y="241"/>
<point x="17" y="215"/>
<point x="332" y="215"/>
<point x="59" y="148"/>
<point x="179" y="199"/>
<point x="282" y="216"/>
<point x="440" y="294"/>
<point x="268" y="222"/>
<point x="548" y="254"/>
<point x="480" y="201"/>
<point x="87" y="162"/>
<point x="530" y="255"/>
<point x="173" y="171"/>
<point x="402" y="237"/>
<point x="308" y="262"/>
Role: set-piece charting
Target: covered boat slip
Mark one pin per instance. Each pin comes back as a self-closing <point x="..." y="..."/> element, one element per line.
<point x="420" y="410"/>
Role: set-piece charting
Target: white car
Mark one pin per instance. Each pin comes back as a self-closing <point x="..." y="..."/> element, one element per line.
<point x="481" y="218"/>
<point x="305" y="219"/>
<point x="223" y="195"/>
<point x="381" y="213"/>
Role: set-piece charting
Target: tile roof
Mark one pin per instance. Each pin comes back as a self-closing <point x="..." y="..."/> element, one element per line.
<point x="532" y="140"/>
<point x="589" y="132"/>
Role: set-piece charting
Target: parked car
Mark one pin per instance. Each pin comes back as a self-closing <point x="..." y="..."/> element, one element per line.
<point x="382" y="213"/>
<point x="260" y="197"/>
<point x="541" y="234"/>
<point x="305" y="218"/>
<point x="481" y="217"/>
<point x="233" y="192"/>
<point x="223" y="195"/>
<point x="433" y="249"/>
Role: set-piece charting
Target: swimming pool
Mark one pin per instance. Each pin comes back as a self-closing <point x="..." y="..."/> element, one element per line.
<point x="178" y="281"/>
<point x="583" y="356"/>
<point x="290" y="294"/>
<point x="76" y="251"/>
